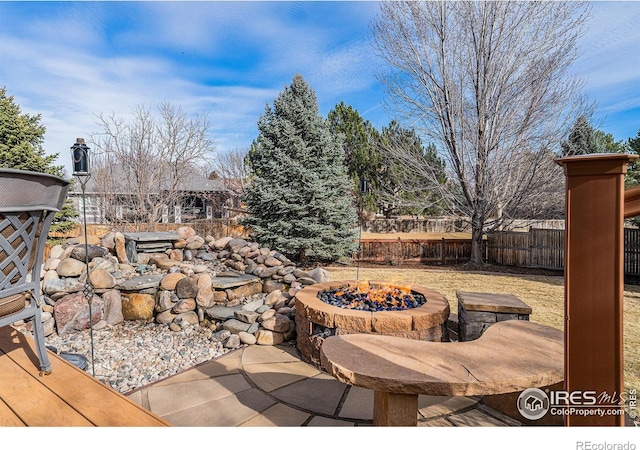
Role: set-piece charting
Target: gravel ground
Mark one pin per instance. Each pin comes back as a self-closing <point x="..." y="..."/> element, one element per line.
<point x="135" y="353"/>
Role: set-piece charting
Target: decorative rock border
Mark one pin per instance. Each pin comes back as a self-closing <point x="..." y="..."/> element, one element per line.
<point x="233" y="286"/>
<point x="316" y="320"/>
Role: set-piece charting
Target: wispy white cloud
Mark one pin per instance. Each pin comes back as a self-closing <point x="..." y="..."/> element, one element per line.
<point x="610" y="65"/>
<point x="72" y="61"/>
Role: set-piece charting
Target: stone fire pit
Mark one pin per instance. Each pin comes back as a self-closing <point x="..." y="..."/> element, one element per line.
<point x="317" y="320"/>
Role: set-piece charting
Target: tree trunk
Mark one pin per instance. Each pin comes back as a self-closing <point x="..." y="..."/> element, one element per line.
<point x="477" y="255"/>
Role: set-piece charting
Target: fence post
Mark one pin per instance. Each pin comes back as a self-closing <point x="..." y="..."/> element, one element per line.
<point x="594" y="279"/>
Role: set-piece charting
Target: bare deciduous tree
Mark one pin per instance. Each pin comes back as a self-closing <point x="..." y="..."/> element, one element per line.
<point x="229" y="167"/>
<point x="490" y="84"/>
<point x="143" y="163"/>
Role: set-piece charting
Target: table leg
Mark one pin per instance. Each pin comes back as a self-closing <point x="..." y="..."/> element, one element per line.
<point x="395" y="410"/>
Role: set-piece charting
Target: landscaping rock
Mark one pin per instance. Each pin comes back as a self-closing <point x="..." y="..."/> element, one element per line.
<point x="112" y="307"/>
<point x="279" y="323"/>
<point x="187" y="288"/>
<point x="137" y="307"/>
<point x="267" y="337"/>
<point x="71" y="267"/>
<point x="170" y="280"/>
<point x="101" y="279"/>
<point x="71" y="313"/>
<point x="94" y="251"/>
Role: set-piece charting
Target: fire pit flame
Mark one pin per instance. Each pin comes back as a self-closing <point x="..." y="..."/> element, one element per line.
<point x="363" y="296"/>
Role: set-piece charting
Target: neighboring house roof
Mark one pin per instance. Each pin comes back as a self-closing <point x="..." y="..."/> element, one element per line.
<point x="203" y="185"/>
<point x="192" y="183"/>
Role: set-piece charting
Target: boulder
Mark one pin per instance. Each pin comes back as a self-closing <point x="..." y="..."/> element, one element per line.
<point x="94" y="251"/>
<point x="121" y="251"/>
<point x="184" y="305"/>
<point x="190" y="317"/>
<point x="235" y="326"/>
<point x="186" y="232"/>
<point x="101" y="279"/>
<point x="108" y="241"/>
<point x="221" y="243"/>
<point x="112" y="307"/>
<point x="138" y="307"/>
<point x="170" y="280"/>
<point x="165" y="317"/>
<point x="71" y="313"/>
<point x="71" y="267"/>
<point x="279" y="323"/>
<point x="165" y="300"/>
<point x="195" y="242"/>
<point x="246" y="338"/>
<point x="187" y="288"/>
<point x="204" y="297"/>
<point x="319" y="275"/>
<point x="163" y="262"/>
<point x="56" y="252"/>
<point x="268" y="337"/>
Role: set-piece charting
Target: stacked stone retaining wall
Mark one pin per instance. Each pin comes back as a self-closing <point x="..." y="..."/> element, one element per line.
<point x="242" y="290"/>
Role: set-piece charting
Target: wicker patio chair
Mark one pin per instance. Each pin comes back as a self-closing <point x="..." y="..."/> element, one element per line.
<point x="28" y="202"/>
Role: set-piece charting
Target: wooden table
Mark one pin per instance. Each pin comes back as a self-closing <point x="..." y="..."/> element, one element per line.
<point x="67" y="397"/>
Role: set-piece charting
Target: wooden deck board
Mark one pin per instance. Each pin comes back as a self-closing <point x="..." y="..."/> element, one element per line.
<point x="8" y="418"/>
<point x="17" y="384"/>
<point x="67" y="397"/>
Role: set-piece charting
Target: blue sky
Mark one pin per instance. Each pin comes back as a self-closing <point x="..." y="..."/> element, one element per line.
<point x="71" y="61"/>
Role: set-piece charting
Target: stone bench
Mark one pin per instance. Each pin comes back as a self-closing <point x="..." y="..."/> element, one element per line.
<point x="510" y="356"/>
<point x="477" y="311"/>
<point x="148" y="242"/>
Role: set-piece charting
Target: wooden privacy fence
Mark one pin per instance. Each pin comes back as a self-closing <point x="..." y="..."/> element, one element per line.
<point x="539" y="248"/>
<point x="429" y="251"/>
<point x="448" y="225"/>
<point x="544" y="249"/>
<point x="215" y="227"/>
<point x="434" y="225"/>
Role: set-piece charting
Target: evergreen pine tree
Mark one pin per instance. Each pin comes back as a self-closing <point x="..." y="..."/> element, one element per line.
<point x="21" y="139"/>
<point x="582" y="139"/>
<point x="362" y="158"/>
<point x="300" y="198"/>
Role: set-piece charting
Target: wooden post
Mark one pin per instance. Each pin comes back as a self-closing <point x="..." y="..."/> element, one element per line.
<point x="594" y="279"/>
<point x="395" y="410"/>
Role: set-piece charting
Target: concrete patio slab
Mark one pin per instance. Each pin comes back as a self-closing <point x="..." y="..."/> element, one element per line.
<point x="313" y="394"/>
<point x="230" y="411"/>
<point x="272" y="376"/>
<point x="319" y="421"/>
<point x="475" y="418"/>
<point x="264" y="386"/>
<point x="261" y="354"/>
<point x="431" y="406"/>
<point x="279" y="415"/>
<point x="358" y="404"/>
<point x="229" y="365"/>
<point x="170" y="398"/>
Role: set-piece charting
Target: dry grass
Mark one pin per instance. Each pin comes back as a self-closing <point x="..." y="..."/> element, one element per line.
<point x="545" y="295"/>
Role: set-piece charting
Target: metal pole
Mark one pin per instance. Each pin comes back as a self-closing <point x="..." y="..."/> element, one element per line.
<point x="88" y="289"/>
<point x="359" y="246"/>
